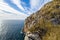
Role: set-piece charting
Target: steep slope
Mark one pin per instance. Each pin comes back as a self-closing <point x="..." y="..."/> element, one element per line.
<point x="44" y="24"/>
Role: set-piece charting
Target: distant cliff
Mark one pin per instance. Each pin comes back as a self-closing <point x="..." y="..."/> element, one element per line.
<point x="45" y="23"/>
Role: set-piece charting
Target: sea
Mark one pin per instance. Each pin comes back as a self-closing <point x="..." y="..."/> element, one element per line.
<point x="11" y="30"/>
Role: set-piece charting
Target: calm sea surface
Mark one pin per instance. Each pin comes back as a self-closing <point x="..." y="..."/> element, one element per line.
<point x="11" y="30"/>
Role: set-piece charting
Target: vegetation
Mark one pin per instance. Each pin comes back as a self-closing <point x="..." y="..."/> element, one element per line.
<point x="46" y="22"/>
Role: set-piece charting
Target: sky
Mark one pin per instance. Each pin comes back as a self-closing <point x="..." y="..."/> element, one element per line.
<point x="19" y="9"/>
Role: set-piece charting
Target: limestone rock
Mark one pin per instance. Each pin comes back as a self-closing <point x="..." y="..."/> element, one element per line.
<point x="44" y="24"/>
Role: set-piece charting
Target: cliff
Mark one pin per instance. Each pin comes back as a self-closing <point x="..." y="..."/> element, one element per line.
<point x="45" y="23"/>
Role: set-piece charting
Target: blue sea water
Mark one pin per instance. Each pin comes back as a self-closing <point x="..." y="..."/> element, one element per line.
<point x="11" y="30"/>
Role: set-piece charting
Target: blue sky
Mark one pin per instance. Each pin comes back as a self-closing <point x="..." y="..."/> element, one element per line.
<point x="19" y="9"/>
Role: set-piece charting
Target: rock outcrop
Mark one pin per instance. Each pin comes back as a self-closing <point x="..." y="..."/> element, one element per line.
<point x="44" y="24"/>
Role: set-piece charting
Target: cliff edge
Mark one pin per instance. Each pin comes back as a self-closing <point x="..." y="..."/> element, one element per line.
<point x="45" y="23"/>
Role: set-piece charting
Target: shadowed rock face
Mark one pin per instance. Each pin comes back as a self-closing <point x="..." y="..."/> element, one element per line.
<point x="44" y="24"/>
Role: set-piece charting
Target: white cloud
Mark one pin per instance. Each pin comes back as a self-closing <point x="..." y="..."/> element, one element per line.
<point x="18" y="3"/>
<point x="3" y="15"/>
<point x="34" y="3"/>
<point x="37" y="4"/>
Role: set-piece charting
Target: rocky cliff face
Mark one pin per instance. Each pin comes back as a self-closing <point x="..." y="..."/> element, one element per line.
<point x="44" y="24"/>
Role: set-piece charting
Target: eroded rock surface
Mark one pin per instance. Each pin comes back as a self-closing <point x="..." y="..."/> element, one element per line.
<point x="44" y="24"/>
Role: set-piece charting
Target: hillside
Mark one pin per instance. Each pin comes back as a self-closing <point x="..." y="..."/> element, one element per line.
<point x="45" y="23"/>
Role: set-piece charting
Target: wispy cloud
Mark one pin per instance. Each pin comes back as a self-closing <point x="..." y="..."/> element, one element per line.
<point x="7" y="8"/>
<point x="19" y="9"/>
<point x="4" y="15"/>
<point x="37" y="4"/>
<point x="18" y="3"/>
